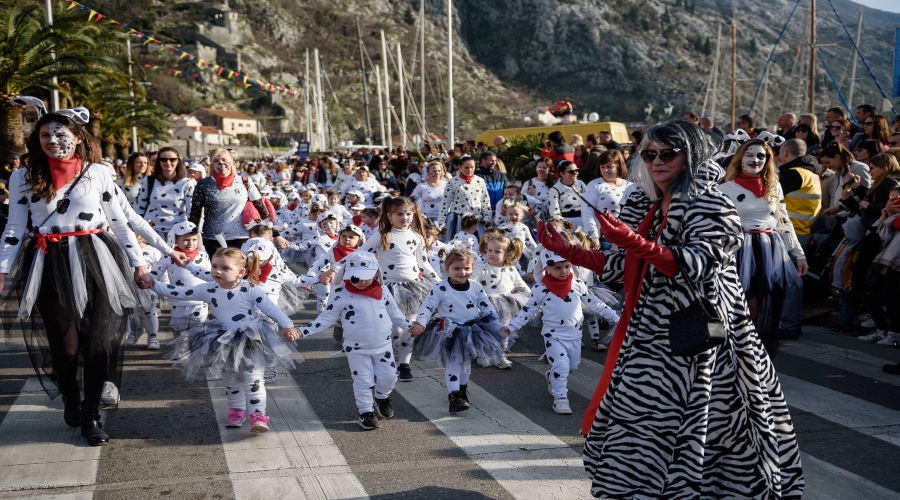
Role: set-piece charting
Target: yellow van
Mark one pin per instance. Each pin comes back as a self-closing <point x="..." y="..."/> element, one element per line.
<point x="618" y="130"/>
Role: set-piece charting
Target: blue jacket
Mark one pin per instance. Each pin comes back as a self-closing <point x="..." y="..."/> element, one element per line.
<point x="495" y="181"/>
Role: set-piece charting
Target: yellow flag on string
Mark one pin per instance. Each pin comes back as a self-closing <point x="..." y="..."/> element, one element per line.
<point x="156" y="67"/>
<point x="91" y="15"/>
<point x="183" y="55"/>
<point x="177" y="72"/>
<point x="73" y="5"/>
<point x="230" y="73"/>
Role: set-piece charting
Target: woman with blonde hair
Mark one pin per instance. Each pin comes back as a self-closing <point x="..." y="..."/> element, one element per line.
<point x="764" y="260"/>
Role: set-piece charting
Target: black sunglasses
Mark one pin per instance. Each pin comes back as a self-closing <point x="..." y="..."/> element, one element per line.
<point x="570" y="171"/>
<point x="665" y="155"/>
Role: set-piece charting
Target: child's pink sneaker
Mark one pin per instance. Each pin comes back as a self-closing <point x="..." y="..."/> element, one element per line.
<point x="259" y="423"/>
<point x="235" y="418"/>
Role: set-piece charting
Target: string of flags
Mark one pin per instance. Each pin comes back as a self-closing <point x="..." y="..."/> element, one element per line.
<point x="221" y="72"/>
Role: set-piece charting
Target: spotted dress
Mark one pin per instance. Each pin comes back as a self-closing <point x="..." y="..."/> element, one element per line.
<point x="710" y="426"/>
<point x="461" y="198"/>
<point x="168" y="204"/>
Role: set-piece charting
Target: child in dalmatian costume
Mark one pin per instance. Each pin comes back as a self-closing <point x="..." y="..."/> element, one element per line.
<point x="185" y="236"/>
<point x="561" y="297"/>
<point x="239" y="343"/>
<point x="369" y="314"/>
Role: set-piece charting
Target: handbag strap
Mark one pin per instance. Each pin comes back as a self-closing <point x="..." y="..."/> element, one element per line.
<point x="60" y="203"/>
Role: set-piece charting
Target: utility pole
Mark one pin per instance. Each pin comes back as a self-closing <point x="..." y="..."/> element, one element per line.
<point x="734" y="74"/>
<point x="855" y="57"/>
<point x="320" y="118"/>
<point x="307" y="97"/>
<point x="387" y="93"/>
<point x="134" y="139"/>
<point x="450" y="125"/>
<point x="812" y="56"/>
<point x="365" y="78"/>
<point x="54" y="94"/>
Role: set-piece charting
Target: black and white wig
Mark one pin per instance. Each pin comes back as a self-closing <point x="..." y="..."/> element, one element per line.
<point x="699" y="167"/>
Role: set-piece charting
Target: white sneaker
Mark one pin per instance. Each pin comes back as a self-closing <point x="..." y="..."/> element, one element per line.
<point x="873" y="336"/>
<point x="130" y="339"/>
<point x="864" y="317"/>
<point x="270" y="375"/>
<point x="869" y="323"/>
<point x="110" y="395"/>
<point x="561" y="406"/>
<point x="504" y="364"/>
<point x="153" y="343"/>
<point x="891" y="339"/>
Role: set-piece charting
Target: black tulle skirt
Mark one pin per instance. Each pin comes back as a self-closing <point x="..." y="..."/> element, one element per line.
<point x="85" y="280"/>
<point x="447" y="341"/>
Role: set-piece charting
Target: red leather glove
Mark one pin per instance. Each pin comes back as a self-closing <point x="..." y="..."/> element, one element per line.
<point x="553" y="241"/>
<point x="618" y="233"/>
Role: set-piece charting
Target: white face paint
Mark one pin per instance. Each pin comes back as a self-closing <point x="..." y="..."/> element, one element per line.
<point x="754" y="159"/>
<point x="58" y="141"/>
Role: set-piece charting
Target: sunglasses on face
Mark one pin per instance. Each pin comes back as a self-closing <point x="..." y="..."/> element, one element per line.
<point x="573" y="172"/>
<point x="869" y="124"/>
<point x="835" y="127"/>
<point x="166" y="160"/>
<point x="665" y="155"/>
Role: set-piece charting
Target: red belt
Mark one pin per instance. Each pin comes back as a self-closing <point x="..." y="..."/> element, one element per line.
<point x="759" y="231"/>
<point x="57" y="237"/>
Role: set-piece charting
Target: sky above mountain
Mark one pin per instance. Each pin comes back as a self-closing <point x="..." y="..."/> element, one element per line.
<point x="888" y="5"/>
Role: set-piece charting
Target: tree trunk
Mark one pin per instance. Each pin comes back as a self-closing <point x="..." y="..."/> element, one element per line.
<point x="12" y="135"/>
<point x="108" y="147"/>
<point x="122" y="150"/>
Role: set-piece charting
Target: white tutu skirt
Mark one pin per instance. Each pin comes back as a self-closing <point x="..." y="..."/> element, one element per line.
<point x="213" y="349"/>
<point x="291" y="298"/>
<point x="763" y="255"/>
<point x="409" y="295"/>
<point x="507" y="306"/>
<point x="447" y="341"/>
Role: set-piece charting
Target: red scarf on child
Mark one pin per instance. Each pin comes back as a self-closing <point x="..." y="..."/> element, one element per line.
<point x="264" y="272"/>
<point x="192" y="254"/>
<point x="467" y="178"/>
<point x="223" y="181"/>
<point x="340" y="251"/>
<point x="373" y="290"/>
<point x="63" y="171"/>
<point x="755" y="185"/>
<point x="558" y="287"/>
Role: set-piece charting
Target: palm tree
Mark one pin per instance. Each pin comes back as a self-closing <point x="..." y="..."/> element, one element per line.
<point x="26" y="64"/>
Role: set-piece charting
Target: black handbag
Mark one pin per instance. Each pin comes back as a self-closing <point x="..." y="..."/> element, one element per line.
<point x="697" y="328"/>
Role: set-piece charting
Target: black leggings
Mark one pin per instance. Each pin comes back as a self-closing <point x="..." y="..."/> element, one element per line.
<point x="883" y="296"/>
<point x="66" y="341"/>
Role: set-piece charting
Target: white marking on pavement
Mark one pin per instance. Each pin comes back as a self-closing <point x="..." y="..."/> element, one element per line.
<point x="836" y="407"/>
<point x="41" y="452"/>
<point x="297" y="457"/>
<point x="860" y="363"/>
<point x="524" y="458"/>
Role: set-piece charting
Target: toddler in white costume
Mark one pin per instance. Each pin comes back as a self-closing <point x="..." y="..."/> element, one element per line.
<point x="369" y="313"/>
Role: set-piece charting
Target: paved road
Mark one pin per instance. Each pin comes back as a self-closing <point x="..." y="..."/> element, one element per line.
<point x="168" y="441"/>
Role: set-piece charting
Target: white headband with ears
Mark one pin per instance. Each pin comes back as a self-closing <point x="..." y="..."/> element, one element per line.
<point x="80" y="115"/>
<point x="771" y="139"/>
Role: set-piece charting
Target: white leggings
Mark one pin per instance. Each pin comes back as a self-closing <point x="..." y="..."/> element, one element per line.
<point x="564" y="357"/>
<point x="456" y="374"/>
<point x="246" y="391"/>
<point x="376" y="372"/>
<point x="152" y="315"/>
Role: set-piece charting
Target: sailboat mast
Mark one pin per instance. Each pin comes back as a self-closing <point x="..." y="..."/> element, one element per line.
<point x="812" y="56"/>
<point x="402" y="95"/>
<point x="855" y="57"/>
<point x="422" y="69"/>
<point x="733" y="74"/>
<point x="450" y="124"/>
<point x="387" y="93"/>
<point x="365" y="79"/>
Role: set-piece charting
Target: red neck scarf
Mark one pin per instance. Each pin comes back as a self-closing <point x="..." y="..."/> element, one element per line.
<point x="340" y="251"/>
<point x="755" y="185"/>
<point x="558" y="287"/>
<point x="223" y="181"/>
<point x="264" y="272"/>
<point x="63" y="171"/>
<point x="293" y="207"/>
<point x="467" y="178"/>
<point x="334" y="237"/>
<point x="357" y="221"/>
<point x="192" y="254"/>
<point x="373" y="290"/>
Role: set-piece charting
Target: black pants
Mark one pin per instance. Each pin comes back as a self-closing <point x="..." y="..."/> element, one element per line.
<point x="884" y="296"/>
<point x="212" y="245"/>
<point x="66" y="341"/>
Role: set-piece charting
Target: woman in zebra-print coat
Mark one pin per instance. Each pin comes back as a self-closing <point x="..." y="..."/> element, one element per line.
<point x="712" y="426"/>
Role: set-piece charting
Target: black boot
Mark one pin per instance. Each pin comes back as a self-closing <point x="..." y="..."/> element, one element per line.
<point x="91" y="428"/>
<point x="462" y="392"/>
<point x="457" y="404"/>
<point x="71" y="397"/>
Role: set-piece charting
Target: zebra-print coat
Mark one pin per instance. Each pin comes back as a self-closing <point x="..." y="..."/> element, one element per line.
<point x="712" y="426"/>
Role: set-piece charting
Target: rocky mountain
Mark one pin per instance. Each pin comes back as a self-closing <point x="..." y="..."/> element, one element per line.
<point x="612" y="57"/>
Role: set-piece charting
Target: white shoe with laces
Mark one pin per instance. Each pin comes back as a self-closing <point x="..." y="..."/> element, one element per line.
<point x="153" y="343"/>
<point x="110" y="395"/>
<point x="562" y="407"/>
<point x="130" y="339"/>
<point x="873" y="336"/>
<point x="891" y="339"/>
<point x="869" y="323"/>
<point x="504" y="364"/>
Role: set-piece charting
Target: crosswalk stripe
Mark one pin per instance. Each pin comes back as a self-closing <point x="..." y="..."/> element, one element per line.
<point x="823" y="480"/>
<point x="524" y="458"/>
<point x="848" y="360"/>
<point x="39" y="451"/>
<point x="296" y="459"/>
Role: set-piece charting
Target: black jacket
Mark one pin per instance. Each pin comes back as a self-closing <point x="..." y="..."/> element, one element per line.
<point x="788" y="177"/>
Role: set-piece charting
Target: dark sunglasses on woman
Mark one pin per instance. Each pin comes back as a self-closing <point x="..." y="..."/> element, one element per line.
<point x="665" y="155"/>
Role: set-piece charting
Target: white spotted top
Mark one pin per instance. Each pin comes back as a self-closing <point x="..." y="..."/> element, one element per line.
<point x="429" y="198"/>
<point x="231" y="307"/>
<point x="499" y="280"/>
<point x="404" y="260"/>
<point x="603" y="196"/>
<point x="563" y="317"/>
<point x="563" y="200"/>
<point x="168" y="204"/>
<point x="367" y="321"/>
<point x="460" y="198"/>
<point x="759" y="214"/>
<point x="457" y="306"/>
